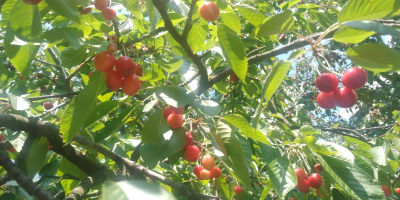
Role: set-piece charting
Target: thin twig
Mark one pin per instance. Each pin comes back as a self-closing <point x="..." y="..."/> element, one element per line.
<point x="80" y="67"/>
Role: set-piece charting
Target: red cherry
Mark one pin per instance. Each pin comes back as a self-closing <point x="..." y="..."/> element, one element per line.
<point x="208" y="162"/>
<point x="209" y="11"/>
<point x="48" y="105"/>
<point x="175" y="120"/>
<point x="354" y="78"/>
<point x="90" y="74"/>
<point x="113" y="80"/>
<point x="100" y="4"/>
<point x="1" y="137"/>
<point x="109" y="14"/>
<point x="177" y="110"/>
<point x="112" y="47"/>
<point x="282" y="37"/>
<point x="300" y="174"/>
<point x="56" y="79"/>
<point x="12" y="150"/>
<point x="344" y="97"/>
<point x="397" y="190"/>
<point x="292" y="198"/>
<point x="104" y="61"/>
<point x="125" y="66"/>
<point x="20" y="77"/>
<point x="40" y="75"/>
<point x="84" y="11"/>
<point x="139" y="70"/>
<point x="205" y="174"/>
<point x="32" y="2"/>
<point x="302" y="186"/>
<point x="234" y="78"/>
<point x="112" y="38"/>
<point x="131" y="85"/>
<point x="238" y="189"/>
<point x="327" y="82"/>
<point x="192" y="153"/>
<point x="167" y="111"/>
<point x="197" y="170"/>
<point x="189" y="140"/>
<point x="215" y="172"/>
<point x="318" y="167"/>
<point x="386" y="190"/>
<point x="260" y="183"/>
<point x="325" y="100"/>
<point x="315" y="180"/>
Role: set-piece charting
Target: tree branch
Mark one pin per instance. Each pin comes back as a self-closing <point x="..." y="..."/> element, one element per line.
<point x="52" y="96"/>
<point x="151" y="34"/>
<point x="80" y="67"/>
<point x="188" y="25"/>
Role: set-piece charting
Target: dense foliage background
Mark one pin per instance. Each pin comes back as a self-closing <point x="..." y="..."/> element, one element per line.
<point x="99" y="144"/>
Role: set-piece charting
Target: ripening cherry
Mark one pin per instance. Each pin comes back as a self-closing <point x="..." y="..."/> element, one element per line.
<point x="40" y="75"/>
<point x="175" y="120"/>
<point x="125" y="66"/>
<point x="291" y="198"/>
<point x="327" y="82"/>
<point x="189" y="140"/>
<point x="167" y="111"/>
<point x="386" y="190"/>
<point x="354" y="78"/>
<point x="177" y="110"/>
<point x="12" y="150"/>
<point x="260" y="183"/>
<point x="112" y="47"/>
<point x="192" y="153"/>
<point x="234" y="78"/>
<point x="238" y="189"/>
<point x="48" y="105"/>
<point x="303" y="186"/>
<point x="315" y="180"/>
<point x="104" y="61"/>
<point x="344" y="97"/>
<point x="27" y="78"/>
<point x="32" y="2"/>
<point x="397" y="190"/>
<point x="208" y="162"/>
<point x="300" y="174"/>
<point x="84" y="11"/>
<point x="109" y="14"/>
<point x="20" y="77"/>
<point x="131" y="85"/>
<point x="1" y="137"/>
<point x="197" y="170"/>
<point x="205" y="174"/>
<point x="209" y="11"/>
<point x="215" y="172"/>
<point x="318" y="167"/>
<point x="138" y="70"/>
<point x="112" y="38"/>
<point x="90" y="74"/>
<point x="100" y="4"/>
<point x="325" y="100"/>
<point x="113" y="80"/>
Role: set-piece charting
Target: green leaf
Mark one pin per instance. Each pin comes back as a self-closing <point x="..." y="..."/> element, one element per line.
<point x="3" y="76"/>
<point x="325" y="189"/>
<point x="375" y="57"/>
<point x="269" y="153"/>
<point x="130" y="190"/>
<point x="355" y="10"/>
<point x="67" y="167"/>
<point x="179" y="7"/>
<point x="99" y="111"/>
<point x="133" y="7"/>
<point x="280" y="23"/>
<point x="25" y="21"/>
<point x="320" y="17"/>
<point x="158" y="151"/>
<point x="282" y="176"/>
<point x="296" y="54"/>
<point x="351" y="35"/>
<point x="71" y="57"/>
<point x="309" y="130"/>
<point x="196" y="37"/>
<point x="19" y="103"/>
<point x="378" y="155"/>
<point x="253" y="15"/>
<point x="240" y="123"/>
<point x="79" y="109"/>
<point x="169" y="66"/>
<point x="50" y="168"/>
<point x="65" y="8"/>
<point x="373" y="26"/>
<point x="150" y="105"/>
<point x="206" y="107"/>
<point x="154" y="127"/>
<point x="359" y="143"/>
<point x="233" y="50"/>
<point x="223" y="188"/>
<point x="174" y="95"/>
<point x="36" y="156"/>
<point x="288" y="4"/>
<point x="269" y="86"/>
<point x="153" y="14"/>
<point x="231" y="20"/>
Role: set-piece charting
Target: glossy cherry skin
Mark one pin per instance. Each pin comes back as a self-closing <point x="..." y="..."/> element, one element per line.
<point x="126" y="66"/>
<point x="192" y="153"/>
<point x="344" y="97"/>
<point x="209" y="11"/>
<point x="167" y="111"/>
<point x="113" y="80"/>
<point x="327" y="82"/>
<point x="84" y="11"/>
<point x="48" y="105"/>
<point x="238" y="189"/>
<point x="234" y="78"/>
<point x="32" y="2"/>
<point x="131" y="85"/>
<point x="303" y="186"/>
<point x="197" y="170"/>
<point x="315" y="180"/>
<point x="104" y="61"/>
<point x="205" y="174"/>
<point x="300" y="174"/>
<point x="177" y="110"/>
<point x="189" y="140"/>
<point x="100" y="4"/>
<point x="175" y="120"/>
<point x="20" y="77"/>
<point x="109" y="14"/>
<point x="397" y="190"/>
<point x="386" y="190"/>
<point x="215" y="172"/>
<point x="12" y="150"/>
<point x="112" y="47"/>
<point x="318" y="167"/>
<point x="354" y="78"/>
<point x="325" y="100"/>
<point x="208" y="162"/>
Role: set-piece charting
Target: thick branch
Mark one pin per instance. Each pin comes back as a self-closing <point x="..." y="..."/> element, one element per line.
<point x="83" y="188"/>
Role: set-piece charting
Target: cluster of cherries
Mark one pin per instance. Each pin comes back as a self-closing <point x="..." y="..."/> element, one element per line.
<point x="207" y="170"/>
<point x="108" y="13"/>
<point x="344" y="97"/>
<point x="126" y="72"/>
<point x="12" y="150"/>
<point x="386" y="190"/>
<point x="173" y="116"/>
<point x="314" y="180"/>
